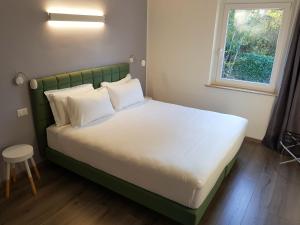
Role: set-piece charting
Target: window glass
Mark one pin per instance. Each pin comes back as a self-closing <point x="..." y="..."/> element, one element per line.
<point x="250" y="46"/>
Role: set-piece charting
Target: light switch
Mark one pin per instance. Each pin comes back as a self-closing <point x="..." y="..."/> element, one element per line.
<point x="22" y="112"/>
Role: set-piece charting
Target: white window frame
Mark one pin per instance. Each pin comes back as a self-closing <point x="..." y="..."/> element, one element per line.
<point x="220" y="41"/>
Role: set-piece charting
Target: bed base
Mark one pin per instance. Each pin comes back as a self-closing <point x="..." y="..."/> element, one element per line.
<point x="171" y="209"/>
<point x="43" y="118"/>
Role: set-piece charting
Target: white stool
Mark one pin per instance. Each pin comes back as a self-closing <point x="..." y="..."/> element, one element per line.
<point x="19" y="154"/>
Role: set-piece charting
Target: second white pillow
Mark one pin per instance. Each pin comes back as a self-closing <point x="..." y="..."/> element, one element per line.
<point x="88" y="107"/>
<point x="126" y="94"/>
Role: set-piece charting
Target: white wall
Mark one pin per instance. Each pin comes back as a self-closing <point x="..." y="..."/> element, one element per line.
<point x="180" y="40"/>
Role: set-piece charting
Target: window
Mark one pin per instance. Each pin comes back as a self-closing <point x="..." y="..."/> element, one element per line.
<point x="251" y="45"/>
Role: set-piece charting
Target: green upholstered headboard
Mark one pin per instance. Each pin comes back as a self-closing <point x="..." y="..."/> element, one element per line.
<point x="42" y="114"/>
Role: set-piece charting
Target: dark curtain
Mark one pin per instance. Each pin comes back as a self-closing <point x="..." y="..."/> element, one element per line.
<point x="286" y="112"/>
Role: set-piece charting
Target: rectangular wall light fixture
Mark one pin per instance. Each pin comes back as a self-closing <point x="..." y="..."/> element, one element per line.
<point x="75" y="18"/>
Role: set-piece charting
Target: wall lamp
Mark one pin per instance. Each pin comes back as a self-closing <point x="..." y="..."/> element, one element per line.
<point x="75" y="18"/>
<point x="21" y="77"/>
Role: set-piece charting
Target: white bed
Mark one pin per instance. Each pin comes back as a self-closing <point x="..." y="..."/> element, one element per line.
<point x="174" y="151"/>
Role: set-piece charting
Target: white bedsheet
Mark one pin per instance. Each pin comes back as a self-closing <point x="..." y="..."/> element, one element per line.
<point x="174" y="151"/>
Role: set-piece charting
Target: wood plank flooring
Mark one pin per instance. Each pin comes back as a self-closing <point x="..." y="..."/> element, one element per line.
<point x="258" y="192"/>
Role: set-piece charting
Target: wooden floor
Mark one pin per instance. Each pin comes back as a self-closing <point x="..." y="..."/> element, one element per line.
<point x="257" y="192"/>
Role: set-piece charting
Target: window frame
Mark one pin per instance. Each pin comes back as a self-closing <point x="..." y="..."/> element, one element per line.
<point x="282" y="41"/>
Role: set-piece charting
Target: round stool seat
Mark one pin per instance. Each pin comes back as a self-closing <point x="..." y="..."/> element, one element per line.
<point x="17" y="153"/>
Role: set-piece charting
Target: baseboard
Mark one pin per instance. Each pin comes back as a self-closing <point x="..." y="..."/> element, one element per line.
<point x="253" y="140"/>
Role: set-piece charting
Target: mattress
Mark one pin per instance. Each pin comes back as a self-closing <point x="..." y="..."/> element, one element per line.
<point x="174" y="151"/>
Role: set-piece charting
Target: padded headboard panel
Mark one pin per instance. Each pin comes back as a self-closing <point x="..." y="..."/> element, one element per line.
<point x="42" y="114"/>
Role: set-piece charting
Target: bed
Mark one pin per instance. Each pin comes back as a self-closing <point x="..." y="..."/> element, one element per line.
<point x="173" y="147"/>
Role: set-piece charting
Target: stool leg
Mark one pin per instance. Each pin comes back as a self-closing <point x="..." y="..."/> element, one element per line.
<point x="7" y="186"/>
<point x="13" y="172"/>
<point x="35" y="168"/>
<point x="30" y="178"/>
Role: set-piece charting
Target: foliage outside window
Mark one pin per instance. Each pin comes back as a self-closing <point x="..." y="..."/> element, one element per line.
<point x="251" y="44"/>
<point x="252" y="40"/>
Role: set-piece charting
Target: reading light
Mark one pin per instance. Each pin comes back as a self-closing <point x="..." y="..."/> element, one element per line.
<point x="131" y="59"/>
<point x="143" y="63"/>
<point x="20" y="79"/>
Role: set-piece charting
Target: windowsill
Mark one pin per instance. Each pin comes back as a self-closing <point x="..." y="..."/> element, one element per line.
<point x="242" y="90"/>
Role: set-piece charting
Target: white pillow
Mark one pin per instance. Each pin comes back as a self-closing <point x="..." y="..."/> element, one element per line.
<point x="126" y="94"/>
<point x="58" y="98"/>
<point x="88" y="107"/>
<point x="122" y="81"/>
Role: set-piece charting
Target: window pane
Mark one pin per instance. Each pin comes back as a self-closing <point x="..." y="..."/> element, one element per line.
<point x="250" y="46"/>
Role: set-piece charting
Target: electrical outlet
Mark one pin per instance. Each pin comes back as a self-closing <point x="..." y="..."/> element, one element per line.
<point x="22" y="112"/>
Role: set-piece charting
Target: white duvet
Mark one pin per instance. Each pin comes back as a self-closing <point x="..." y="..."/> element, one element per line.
<point x="174" y="151"/>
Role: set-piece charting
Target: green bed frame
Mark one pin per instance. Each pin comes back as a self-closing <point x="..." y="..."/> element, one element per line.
<point x="43" y="118"/>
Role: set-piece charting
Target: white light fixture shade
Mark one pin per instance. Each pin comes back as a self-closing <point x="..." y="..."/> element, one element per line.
<point x="20" y="79"/>
<point x="143" y="63"/>
<point x="131" y="59"/>
<point x="76" y="18"/>
<point x="33" y="84"/>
